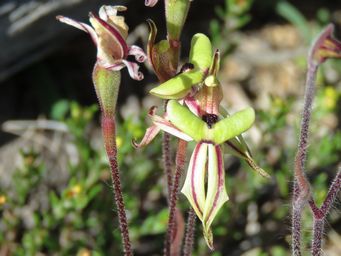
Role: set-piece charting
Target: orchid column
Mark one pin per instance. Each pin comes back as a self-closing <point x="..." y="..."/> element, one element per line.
<point x="109" y="33"/>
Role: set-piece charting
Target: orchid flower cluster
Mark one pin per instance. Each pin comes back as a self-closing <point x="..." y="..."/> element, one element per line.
<point x="193" y="111"/>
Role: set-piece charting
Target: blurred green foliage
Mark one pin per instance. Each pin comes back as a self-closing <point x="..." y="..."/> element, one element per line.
<point x="233" y="16"/>
<point x="75" y="217"/>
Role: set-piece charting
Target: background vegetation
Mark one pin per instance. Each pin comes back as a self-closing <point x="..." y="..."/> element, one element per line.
<point x="55" y="195"/>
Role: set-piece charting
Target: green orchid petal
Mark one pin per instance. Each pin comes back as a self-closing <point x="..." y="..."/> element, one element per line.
<point x="231" y="126"/>
<point x="179" y="86"/>
<point x="238" y="147"/>
<point x="107" y="84"/>
<point x="201" y="52"/>
<point x="176" y="13"/>
<point x="186" y="121"/>
<point x="194" y="186"/>
<point x="216" y="194"/>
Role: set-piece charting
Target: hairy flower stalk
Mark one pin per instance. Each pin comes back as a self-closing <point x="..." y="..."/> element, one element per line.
<point x="189" y="235"/>
<point x="172" y="227"/>
<point x="323" y="48"/>
<point x="109" y="32"/>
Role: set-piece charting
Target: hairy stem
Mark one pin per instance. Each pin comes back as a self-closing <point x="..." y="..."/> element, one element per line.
<point x="180" y="163"/>
<point x="301" y="155"/>
<point x="332" y="193"/>
<point x="316" y="245"/>
<point x="301" y="185"/>
<point x="296" y="222"/>
<point x="189" y="237"/>
<point x="109" y="136"/>
<point x="321" y="213"/>
<point x="167" y="161"/>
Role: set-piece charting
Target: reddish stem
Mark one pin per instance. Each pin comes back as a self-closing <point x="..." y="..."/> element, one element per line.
<point x="180" y="163"/>
<point x="189" y="237"/>
<point x="301" y="191"/>
<point x="320" y="214"/>
<point x="109" y="136"/>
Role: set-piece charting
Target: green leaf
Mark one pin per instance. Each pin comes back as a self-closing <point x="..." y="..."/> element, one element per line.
<point x="59" y="109"/>
<point x="290" y="13"/>
<point x="155" y="224"/>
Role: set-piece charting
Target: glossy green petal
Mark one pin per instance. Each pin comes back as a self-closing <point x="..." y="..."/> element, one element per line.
<point x="201" y="52"/>
<point x="179" y="86"/>
<point x="186" y="121"/>
<point x="231" y="126"/>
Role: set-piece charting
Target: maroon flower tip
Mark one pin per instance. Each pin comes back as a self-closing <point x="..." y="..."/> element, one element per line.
<point x="325" y="46"/>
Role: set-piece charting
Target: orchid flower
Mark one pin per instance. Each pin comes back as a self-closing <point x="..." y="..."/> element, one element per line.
<point x="210" y="134"/>
<point x="193" y="114"/>
<point x="109" y="33"/>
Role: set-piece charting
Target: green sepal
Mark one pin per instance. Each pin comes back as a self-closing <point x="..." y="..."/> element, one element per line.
<point x="231" y="126"/>
<point x="163" y="58"/>
<point x="238" y="147"/>
<point x="201" y="52"/>
<point x="106" y="84"/>
<point x="179" y="86"/>
<point x="176" y="13"/>
<point x="185" y="120"/>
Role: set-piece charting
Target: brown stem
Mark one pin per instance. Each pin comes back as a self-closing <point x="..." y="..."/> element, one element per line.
<point x="167" y="162"/>
<point x="180" y="163"/>
<point x="109" y="136"/>
<point x="189" y="237"/>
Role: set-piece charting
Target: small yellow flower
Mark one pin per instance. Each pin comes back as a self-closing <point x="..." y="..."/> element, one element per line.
<point x="84" y="252"/>
<point x="119" y="141"/>
<point x="3" y="199"/>
<point x="74" y="190"/>
<point x="330" y="98"/>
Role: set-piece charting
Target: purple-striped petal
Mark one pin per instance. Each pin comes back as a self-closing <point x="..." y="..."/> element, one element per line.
<point x="168" y="127"/>
<point x="150" y="134"/>
<point x="193" y="105"/>
<point x="216" y="192"/>
<point x="133" y="70"/>
<point x="150" y="3"/>
<point x="80" y="25"/>
<point x="132" y="67"/>
<point x="139" y="54"/>
<point x="110" y="38"/>
<point x="194" y="186"/>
